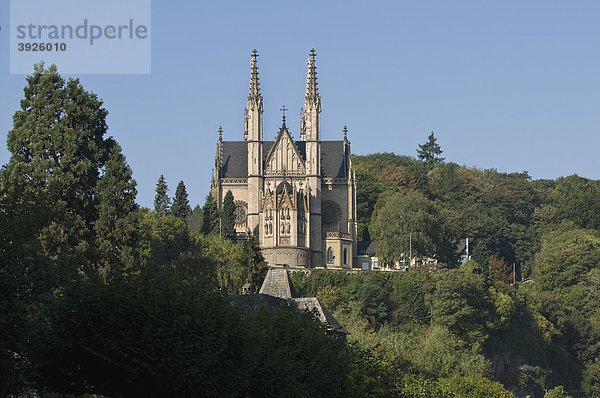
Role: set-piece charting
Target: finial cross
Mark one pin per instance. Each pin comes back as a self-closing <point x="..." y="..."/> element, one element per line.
<point x="313" y="54"/>
<point x="254" y="54"/>
<point x="283" y="109"/>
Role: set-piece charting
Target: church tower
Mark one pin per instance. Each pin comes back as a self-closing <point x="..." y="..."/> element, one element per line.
<point x="310" y="132"/>
<point x="297" y="196"/>
<point x="253" y="133"/>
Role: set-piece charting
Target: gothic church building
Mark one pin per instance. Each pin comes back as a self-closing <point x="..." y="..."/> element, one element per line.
<point x="297" y="197"/>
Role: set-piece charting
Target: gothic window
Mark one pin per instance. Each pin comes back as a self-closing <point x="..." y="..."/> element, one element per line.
<point x="331" y="213"/>
<point x="240" y="213"/>
<point x="330" y="256"/>
<point x="345" y="256"/>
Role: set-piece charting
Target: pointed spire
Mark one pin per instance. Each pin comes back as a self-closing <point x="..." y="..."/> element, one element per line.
<point x="254" y="93"/>
<point x="220" y="133"/>
<point x="345" y="133"/>
<point x="312" y="92"/>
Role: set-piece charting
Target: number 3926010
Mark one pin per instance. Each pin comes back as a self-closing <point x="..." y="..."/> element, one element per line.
<point x="42" y="46"/>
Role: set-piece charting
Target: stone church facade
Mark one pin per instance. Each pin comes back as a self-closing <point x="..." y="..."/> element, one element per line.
<point x="298" y="197"/>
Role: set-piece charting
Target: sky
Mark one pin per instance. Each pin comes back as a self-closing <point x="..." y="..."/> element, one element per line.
<point x="509" y="85"/>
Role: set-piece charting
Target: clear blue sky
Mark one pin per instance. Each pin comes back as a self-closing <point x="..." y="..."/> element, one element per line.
<point x="511" y="85"/>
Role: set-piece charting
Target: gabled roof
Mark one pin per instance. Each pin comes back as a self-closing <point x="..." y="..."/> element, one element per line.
<point x="277" y="283"/>
<point x="235" y="158"/>
<point x="284" y="133"/>
<point x="367" y="247"/>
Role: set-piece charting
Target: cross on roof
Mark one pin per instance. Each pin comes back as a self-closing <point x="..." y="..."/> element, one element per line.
<point x="313" y="54"/>
<point x="283" y="109"/>
<point x="254" y="54"/>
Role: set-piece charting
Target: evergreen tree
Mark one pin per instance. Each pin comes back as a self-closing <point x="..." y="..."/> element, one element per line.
<point x="430" y="152"/>
<point x="195" y="220"/>
<point x="228" y="217"/>
<point x="162" y="202"/>
<point x="116" y="228"/>
<point x="181" y="205"/>
<point x="211" y="217"/>
<point x="58" y="146"/>
<point x="254" y="260"/>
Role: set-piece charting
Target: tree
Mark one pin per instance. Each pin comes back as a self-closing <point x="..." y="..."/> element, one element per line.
<point x="578" y="199"/>
<point x="499" y="270"/>
<point x="228" y="217"/>
<point x="461" y="302"/>
<point x="409" y="222"/>
<point x="430" y="152"/>
<point x="253" y="259"/>
<point x="117" y="225"/>
<point x="195" y="220"/>
<point x="181" y="205"/>
<point x="162" y="202"/>
<point x="211" y="217"/>
<point x="58" y="147"/>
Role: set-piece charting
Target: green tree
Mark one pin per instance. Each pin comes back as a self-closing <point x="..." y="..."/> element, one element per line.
<point x="211" y="217"/>
<point x="228" y="217"/>
<point x="409" y="222"/>
<point x="253" y="259"/>
<point x="195" y="220"/>
<point x="462" y="303"/>
<point x="430" y="152"/>
<point x="565" y="257"/>
<point x="162" y="202"/>
<point x="57" y="142"/>
<point x="499" y="270"/>
<point x="181" y="205"/>
<point x="117" y="225"/>
<point x="578" y="200"/>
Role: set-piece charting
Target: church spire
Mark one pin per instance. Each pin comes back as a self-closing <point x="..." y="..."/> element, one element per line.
<point x="310" y="118"/>
<point x="254" y="93"/>
<point x="254" y="108"/>
<point x="312" y="92"/>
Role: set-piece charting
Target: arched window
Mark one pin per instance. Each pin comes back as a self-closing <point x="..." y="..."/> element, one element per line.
<point x="330" y="256"/>
<point x="345" y="256"/>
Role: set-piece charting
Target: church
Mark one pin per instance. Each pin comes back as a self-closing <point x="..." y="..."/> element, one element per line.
<point x="298" y="197"/>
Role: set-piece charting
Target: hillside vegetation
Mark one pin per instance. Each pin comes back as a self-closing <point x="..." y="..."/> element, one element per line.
<point x="99" y="296"/>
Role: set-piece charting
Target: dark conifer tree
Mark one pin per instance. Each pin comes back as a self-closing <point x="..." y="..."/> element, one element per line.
<point x="181" y="205"/>
<point x="57" y="143"/>
<point x="162" y="202"/>
<point x="228" y="217"/>
<point x="117" y="225"/>
<point x="211" y="217"/>
<point x="195" y="220"/>
<point x="430" y="152"/>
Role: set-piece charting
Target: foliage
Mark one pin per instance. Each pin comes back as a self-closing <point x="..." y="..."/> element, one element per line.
<point x="182" y="340"/>
<point x="195" y="220"/>
<point x="409" y="223"/>
<point x="430" y="152"/>
<point x="228" y="217"/>
<point x="181" y="205"/>
<point x="210" y="217"/>
<point x="162" y="202"/>
<point x="116" y="229"/>
<point x="461" y="302"/>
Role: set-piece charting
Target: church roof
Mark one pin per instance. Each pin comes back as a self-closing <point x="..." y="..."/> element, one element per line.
<point x="235" y="158"/>
<point x="277" y="283"/>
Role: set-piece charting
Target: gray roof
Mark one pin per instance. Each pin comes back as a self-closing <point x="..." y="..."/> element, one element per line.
<point x="367" y="247"/>
<point x="313" y="303"/>
<point x="235" y="158"/>
<point x="277" y="283"/>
